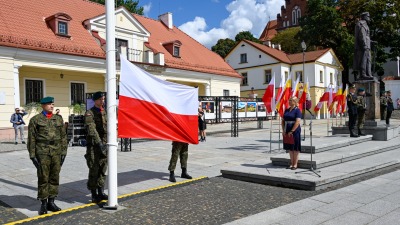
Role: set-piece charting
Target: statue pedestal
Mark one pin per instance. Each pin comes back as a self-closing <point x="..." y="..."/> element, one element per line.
<point x="373" y="112"/>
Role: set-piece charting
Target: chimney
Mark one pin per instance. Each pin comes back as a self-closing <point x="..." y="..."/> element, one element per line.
<point x="268" y="43"/>
<point x="278" y="47"/>
<point x="273" y="46"/>
<point x="166" y="19"/>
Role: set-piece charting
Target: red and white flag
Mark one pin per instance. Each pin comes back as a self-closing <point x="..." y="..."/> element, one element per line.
<point x="326" y="97"/>
<point x="156" y="109"/>
<point x="269" y="96"/>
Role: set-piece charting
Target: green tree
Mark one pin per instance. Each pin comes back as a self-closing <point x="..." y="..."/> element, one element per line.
<point x="289" y="40"/>
<point x="246" y="35"/>
<point x="131" y="5"/>
<point x="223" y="47"/>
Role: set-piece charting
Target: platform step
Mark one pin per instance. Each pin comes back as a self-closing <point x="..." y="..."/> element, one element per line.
<point x="326" y="143"/>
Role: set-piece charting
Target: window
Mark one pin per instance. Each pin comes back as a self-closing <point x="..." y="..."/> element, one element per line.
<point x="321" y="76"/>
<point x="176" y="51"/>
<point x="331" y="78"/>
<point x="62" y="28"/>
<point x="33" y="91"/>
<point x="268" y="76"/>
<point x="122" y="47"/>
<point x="77" y="93"/>
<point x="286" y="75"/>
<point x="244" y="81"/>
<point x="294" y="17"/>
<point x="298" y="14"/>
<point x="243" y="58"/>
<point x="299" y="74"/>
<point x="225" y="92"/>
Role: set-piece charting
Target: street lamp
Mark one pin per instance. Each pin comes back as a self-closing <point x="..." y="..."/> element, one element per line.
<point x="304" y="46"/>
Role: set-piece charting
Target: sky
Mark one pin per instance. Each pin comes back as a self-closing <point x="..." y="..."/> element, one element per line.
<point x="207" y="21"/>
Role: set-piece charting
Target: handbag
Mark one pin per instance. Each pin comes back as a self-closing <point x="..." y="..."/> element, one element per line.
<point x="288" y="139"/>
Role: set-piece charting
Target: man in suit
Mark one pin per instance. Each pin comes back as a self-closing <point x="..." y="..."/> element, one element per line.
<point x="18" y="124"/>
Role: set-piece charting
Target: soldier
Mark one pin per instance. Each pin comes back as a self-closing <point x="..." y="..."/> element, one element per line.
<point x="352" y="109"/>
<point x="96" y="149"/>
<point x="390" y="107"/>
<point x="361" y="108"/>
<point x="383" y="101"/>
<point x="47" y="146"/>
<point x="179" y="149"/>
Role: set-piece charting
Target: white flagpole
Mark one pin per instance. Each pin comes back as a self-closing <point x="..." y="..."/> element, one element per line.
<point x="111" y="106"/>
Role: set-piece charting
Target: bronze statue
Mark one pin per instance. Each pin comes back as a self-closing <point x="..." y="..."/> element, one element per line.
<point x="362" y="51"/>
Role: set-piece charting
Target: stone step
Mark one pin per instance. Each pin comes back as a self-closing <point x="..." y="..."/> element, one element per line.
<point x="338" y="155"/>
<point x="262" y="171"/>
<point x="326" y="143"/>
<point x="380" y="133"/>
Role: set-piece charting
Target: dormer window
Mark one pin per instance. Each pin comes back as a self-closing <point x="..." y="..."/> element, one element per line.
<point x="58" y="23"/>
<point x="174" y="48"/>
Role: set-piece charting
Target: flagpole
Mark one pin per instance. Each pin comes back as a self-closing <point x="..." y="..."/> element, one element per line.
<point x="270" y="136"/>
<point x="112" y="143"/>
<point x="327" y="125"/>
<point x="279" y="132"/>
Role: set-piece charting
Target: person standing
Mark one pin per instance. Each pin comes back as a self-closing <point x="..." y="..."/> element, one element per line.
<point x="390" y="107"/>
<point x="179" y="150"/>
<point x="47" y="146"/>
<point x="383" y="105"/>
<point x="291" y="128"/>
<point x="96" y="147"/>
<point x="361" y="108"/>
<point x="18" y="124"/>
<point x="352" y="109"/>
<point x="202" y="124"/>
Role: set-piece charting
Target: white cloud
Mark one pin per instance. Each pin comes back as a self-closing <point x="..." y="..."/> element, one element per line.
<point x="244" y="15"/>
<point x="146" y="9"/>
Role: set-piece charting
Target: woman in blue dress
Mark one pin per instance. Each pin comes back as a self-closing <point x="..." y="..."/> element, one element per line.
<point x="291" y="127"/>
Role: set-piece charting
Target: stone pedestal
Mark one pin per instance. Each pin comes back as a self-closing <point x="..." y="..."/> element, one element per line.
<point x="373" y="105"/>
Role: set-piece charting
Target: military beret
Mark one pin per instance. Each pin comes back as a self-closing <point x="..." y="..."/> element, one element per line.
<point x="352" y="86"/>
<point x="360" y="90"/>
<point x="388" y="91"/>
<point x="97" y="95"/>
<point x="46" y="100"/>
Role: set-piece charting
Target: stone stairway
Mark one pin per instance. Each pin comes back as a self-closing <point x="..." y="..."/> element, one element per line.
<point x="336" y="157"/>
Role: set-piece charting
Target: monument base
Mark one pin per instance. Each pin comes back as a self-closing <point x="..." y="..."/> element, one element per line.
<point x="377" y="129"/>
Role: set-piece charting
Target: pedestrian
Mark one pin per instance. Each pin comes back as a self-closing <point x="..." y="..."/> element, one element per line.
<point x="361" y="108"/>
<point x="351" y="99"/>
<point x="96" y="147"/>
<point x="292" y="131"/>
<point x="398" y="103"/>
<point x="179" y="150"/>
<point x="18" y="124"/>
<point x="202" y="124"/>
<point x="383" y="105"/>
<point x="47" y="146"/>
<point x="390" y="107"/>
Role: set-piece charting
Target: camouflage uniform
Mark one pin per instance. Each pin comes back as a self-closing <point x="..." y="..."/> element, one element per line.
<point x="361" y="108"/>
<point x="179" y="149"/>
<point x="383" y="104"/>
<point x="47" y="142"/>
<point x="352" y="111"/>
<point x="96" y="126"/>
<point x="390" y="109"/>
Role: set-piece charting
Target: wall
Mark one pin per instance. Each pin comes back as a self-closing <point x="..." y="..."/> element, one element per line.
<point x="6" y="88"/>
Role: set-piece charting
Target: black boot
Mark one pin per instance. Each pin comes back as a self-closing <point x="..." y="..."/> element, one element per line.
<point x="185" y="174"/>
<point x="43" y="207"/>
<point x="204" y="138"/>
<point x="352" y="134"/>
<point x="172" y="176"/>
<point x="101" y="194"/>
<point x="360" y="133"/>
<point x="95" y="197"/>
<point x="52" y="206"/>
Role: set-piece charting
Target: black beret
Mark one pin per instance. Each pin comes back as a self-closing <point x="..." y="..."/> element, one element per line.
<point x="97" y="95"/>
<point x="46" y="100"/>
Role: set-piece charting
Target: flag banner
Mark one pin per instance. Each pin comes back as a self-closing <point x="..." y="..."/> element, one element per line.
<point x="269" y="96"/>
<point x="152" y="108"/>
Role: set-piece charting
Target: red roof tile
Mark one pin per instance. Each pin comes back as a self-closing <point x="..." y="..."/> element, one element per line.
<point x="308" y="57"/>
<point x="269" y="31"/>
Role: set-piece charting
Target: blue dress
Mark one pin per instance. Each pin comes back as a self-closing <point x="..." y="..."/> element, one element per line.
<point x="290" y="118"/>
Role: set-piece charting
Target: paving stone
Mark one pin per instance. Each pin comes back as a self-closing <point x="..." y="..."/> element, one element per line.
<point x="378" y="208"/>
<point x="351" y="218"/>
<point x="339" y="207"/>
<point x="391" y="218"/>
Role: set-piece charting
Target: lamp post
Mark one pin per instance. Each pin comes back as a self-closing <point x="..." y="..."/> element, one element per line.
<point x="304" y="46"/>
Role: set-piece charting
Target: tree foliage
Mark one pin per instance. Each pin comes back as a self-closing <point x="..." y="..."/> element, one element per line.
<point x="224" y="46"/>
<point x="289" y="40"/>
<point x="131" y="5"/>
<point x="246" y="35"/>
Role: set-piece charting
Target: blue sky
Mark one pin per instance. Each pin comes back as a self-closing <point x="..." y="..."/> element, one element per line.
<point x="207" y="21"/>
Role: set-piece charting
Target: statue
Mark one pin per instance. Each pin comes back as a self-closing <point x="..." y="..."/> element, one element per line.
<point x="362" y="48"/>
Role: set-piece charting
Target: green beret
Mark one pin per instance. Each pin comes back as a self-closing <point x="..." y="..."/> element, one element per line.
<point x="46" y="100"/>
<point x="360" y="90"/>
<point x="388" y="91"/>
<point x="97" y="95"/>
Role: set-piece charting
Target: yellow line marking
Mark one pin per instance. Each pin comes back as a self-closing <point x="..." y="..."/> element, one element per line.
<point x="92" y="204"/>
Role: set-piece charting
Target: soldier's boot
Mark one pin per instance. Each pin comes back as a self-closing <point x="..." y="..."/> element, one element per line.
<point x="360" y="133"/>
<point x="95" y="197"/>
<point x="185" y="174"/>
<point x="52" y="206"/>
<point x="101" y="194"/>
<point x="172" y="176"/>
<point x="352" y="134"/>
<point x="43" y="207"/>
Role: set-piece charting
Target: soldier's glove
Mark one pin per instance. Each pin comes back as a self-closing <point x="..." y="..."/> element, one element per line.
<point x="35" y="162"/>
<point x="103" y="148"/>
<point x="62" y="159"/>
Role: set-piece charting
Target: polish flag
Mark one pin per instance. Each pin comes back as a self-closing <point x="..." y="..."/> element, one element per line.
<point x="324" y="98"/>
<point x="283" y="101"/>
<point x="269" y="96"/>
<point x="303" y="98"/>
<point x="156" y="109"/>
<point x="295" y="88"/>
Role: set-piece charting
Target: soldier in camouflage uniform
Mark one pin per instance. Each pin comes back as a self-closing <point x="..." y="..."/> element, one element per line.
<point x="352" y="109"/>
<point x="390" y="107"/>
<point x="96" y="150"/>
<point x="361" y="108"/>
<point x="383" y="104"/>
<point x="179" y="150"/>
<point x="47" y="146"/>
